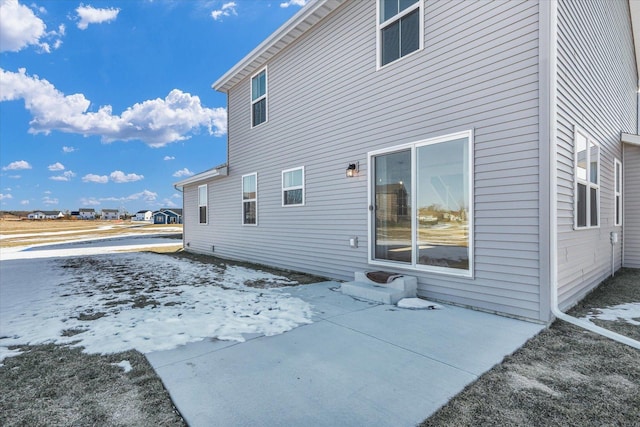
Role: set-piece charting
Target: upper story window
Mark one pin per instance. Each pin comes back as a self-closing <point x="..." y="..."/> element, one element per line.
<point x="259" y="98"/>
<point x="399" y="28"/>
<point x="202" y="204"/>
<point x="293" y="187"/>
<point x="587" y="176"/>
<point x="250" y="199"/>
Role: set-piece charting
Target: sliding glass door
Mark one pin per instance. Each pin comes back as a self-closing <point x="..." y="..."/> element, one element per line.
<point x="421" y="211"/>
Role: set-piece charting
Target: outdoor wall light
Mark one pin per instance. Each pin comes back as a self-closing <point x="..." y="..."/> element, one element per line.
<point x="352" y="170"/>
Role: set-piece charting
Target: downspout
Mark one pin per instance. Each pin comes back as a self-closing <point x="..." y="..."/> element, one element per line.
<point x="553" y="198"/>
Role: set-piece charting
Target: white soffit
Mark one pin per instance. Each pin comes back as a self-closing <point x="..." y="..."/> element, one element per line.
<point x="295" y="27"/>
<point x="629" y="138"/>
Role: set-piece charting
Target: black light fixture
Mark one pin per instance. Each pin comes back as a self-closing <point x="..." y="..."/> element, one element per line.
<point x="352" y="170"/>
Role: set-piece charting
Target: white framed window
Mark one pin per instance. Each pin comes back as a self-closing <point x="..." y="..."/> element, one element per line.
<point x="259" y="98"/>
<point x="400" y="24"/>
<point x="587" y="181"/>
<point x="202" y="204"/>
<point x="250" y="199"/>
<point x="421" y="205"/>
<point x="293" y="187"/>
<point x="617" y="192"/>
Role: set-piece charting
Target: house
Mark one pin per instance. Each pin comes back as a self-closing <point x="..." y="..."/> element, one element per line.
<point x="168" y="216"/>
<point x="143" y="215"/>
<point x="110" y="214"/>
<point x="87" y="213"/>
<point x="512" y="126"/>
<point x="45" y="215"/>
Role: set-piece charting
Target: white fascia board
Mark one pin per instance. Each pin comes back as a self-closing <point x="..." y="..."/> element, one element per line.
<point x="219" y="171"/>
<point x="629" y="138"/>
<point x="296" y="26"/>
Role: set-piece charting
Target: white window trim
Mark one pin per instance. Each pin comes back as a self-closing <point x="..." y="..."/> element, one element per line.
<point x="586" y="182"/>
<point x="206" y="204"/>
<point x="243" y="200"/>
<point x="296" y="187"/>
<point x="265" y="96"/>
<point x="370" y="223"/>
<point x="617" y="192"/>
<point x="381" y="25"/>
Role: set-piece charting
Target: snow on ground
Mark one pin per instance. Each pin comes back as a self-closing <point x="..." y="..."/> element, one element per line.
<point x="629" y="312"/>
<point x="116" y="302"/>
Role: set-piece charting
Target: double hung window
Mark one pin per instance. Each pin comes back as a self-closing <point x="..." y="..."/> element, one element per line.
<point x="399" y="28"/>
<point x="617" y="191"/>
<point x="202" y="204"/>
<point x="250" y="199"/>
<point x="259" y="98"/>
<point x="293" y="187"/>
<point x="587" y="181"/>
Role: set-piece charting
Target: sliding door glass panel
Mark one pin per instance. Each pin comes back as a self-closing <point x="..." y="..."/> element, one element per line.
<point x="443" y="204"/>
<point x="392" y="219"/>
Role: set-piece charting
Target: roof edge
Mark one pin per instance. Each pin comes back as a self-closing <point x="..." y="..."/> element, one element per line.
<point x="629" y="138"/>
<point x="218" y="171"/>
<point x="262" y="51"/>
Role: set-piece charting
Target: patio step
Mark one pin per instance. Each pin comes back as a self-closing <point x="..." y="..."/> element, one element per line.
<point x="388" y="293"/>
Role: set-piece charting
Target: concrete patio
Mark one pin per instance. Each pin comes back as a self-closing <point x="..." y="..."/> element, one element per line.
<point x="359" y="363"/>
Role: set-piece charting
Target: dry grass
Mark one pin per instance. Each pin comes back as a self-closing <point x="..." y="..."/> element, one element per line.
<point x="35" y="232"/>
<point x="563" y="376"/>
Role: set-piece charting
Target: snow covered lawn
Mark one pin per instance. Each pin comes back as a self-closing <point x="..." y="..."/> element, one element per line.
<point x="143" y="301"/>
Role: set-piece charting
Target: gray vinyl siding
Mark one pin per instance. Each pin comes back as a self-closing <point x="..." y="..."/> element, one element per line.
<point x="597" y="84"/>
<point x="631" y="197"/>
<point x="329" y="106"/>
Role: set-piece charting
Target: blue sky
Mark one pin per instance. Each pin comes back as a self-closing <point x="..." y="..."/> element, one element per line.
<point x="105" y="104"/>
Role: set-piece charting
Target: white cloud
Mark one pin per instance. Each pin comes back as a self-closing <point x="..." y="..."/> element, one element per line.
<point x="5" y="196"/>
<point x="15" y="176"/>
<point x="20" y="27"/>
<point x="169" y="158"/>
<point x="68" y="149"/>
<point x="227" y="9"/>
<point x="156" y="122"/>
<point x="17" y="165"/>
<point x="66" y="176"/>
<point x="182" y="172"/>
<point x="47" y="192"/>
<point x="89" y="202"/>
<point x="293" y="3"/>
<point x="120" y="177"/>
<point x="24" y="202"/>
<point x="169" y="203"/>
<point x="146" y="195"/>
<point x="56" y="167"/>
<point x="99" y="179"/>
<point x="176" y="196"/>
<point x="91" y="15"/>
<point x="49" y="201"/>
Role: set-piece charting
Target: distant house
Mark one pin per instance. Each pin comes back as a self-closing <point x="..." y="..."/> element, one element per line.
<point x="143" y="215"/>
<point x="167" y="216"/>
<point x="488" y="148"/>
<point x="75" y="214"/>
<point x="45" y="215"/>
<point x="87" y="213"/>
<point x="110" y="214"/>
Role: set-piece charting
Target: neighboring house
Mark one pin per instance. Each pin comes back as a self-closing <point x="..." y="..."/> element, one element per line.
<point x="87" y="213"/>
<point x="110" y="214"/>
<point x="488" y="148"/>
<point x="143" y="216"/>
<point x="45" y="215"/>
<point x="168" y="216"/>
<point x="75" y="214"/>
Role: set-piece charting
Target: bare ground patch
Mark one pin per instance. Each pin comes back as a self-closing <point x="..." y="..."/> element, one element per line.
<point x="563" y="376"/>
<point x="51" y="385"/>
